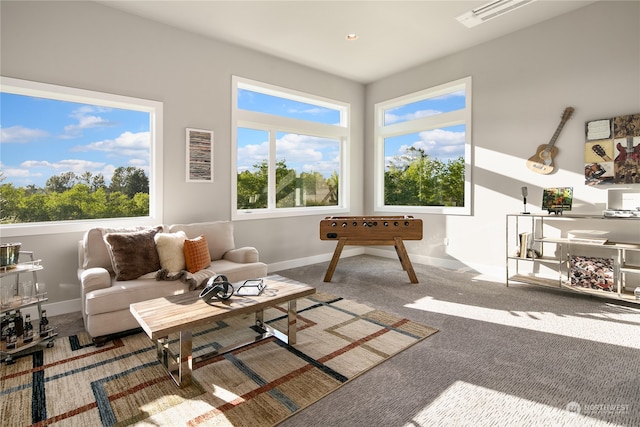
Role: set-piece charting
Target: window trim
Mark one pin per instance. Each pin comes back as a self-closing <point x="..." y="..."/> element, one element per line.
<point x="65" y="93"/>
<point x="457" y="117"/>
<point x="275" y="123"/>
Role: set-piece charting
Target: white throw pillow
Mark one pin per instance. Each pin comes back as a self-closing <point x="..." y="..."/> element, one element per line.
<point x="170" y="248"/>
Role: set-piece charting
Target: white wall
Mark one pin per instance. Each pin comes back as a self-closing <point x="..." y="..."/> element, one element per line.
<point x="588" y="59"/>
<point x="90" y="46"/>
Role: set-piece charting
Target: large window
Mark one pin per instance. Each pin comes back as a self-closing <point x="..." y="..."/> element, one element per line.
<point x="71" y="156"/>
<point x="289" y="153"/>
<point x="423" y="151"/>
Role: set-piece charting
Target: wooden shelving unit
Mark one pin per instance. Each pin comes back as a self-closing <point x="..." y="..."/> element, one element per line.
<point x="547" y="263"/>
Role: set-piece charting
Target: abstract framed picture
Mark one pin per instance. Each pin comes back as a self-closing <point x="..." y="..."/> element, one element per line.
<point x="199" y="155"/>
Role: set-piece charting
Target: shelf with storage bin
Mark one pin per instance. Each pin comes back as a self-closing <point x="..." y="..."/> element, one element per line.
<point x="547" y="258"/>
<point x="13" y="300"/>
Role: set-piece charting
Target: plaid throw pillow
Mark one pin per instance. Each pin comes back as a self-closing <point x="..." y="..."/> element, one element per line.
<point x="196" y="254"/>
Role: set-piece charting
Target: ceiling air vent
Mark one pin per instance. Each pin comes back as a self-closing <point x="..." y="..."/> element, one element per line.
<point x="489" y="11"/>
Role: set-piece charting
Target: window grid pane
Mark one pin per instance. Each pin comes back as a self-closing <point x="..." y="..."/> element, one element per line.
<point x="253" y="172"/>
<point x="306" y="171"/>
<point x="270" y="104"/>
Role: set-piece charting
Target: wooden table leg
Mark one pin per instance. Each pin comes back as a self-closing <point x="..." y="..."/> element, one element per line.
<point x="404" y="259"/>
<point x="292" y="328"/>
<point x="335" y="259"/>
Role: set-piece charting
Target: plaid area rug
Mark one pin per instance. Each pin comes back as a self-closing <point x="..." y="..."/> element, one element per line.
<point x="75" y="383"/>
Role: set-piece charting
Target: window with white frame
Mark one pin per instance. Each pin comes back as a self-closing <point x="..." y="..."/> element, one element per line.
<point x="71" y="155"/>
<point x="423" y="151"/>
<point x="289" y="152"/>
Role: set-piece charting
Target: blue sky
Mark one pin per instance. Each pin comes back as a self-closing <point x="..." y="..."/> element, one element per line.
<point x="41" y="137"/>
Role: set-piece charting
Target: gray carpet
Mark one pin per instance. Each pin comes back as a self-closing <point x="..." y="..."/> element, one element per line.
<point x="517" y="356"/>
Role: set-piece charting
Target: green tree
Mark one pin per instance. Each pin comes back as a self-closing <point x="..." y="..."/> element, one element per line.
<point x="286" y="184"/>
<point x="333" y="183"/>
<point x="33" y="208"/>
<point x="415" y="179"/>
<point x="60" y="183"/>
<point x="129" y="181"/>
<point x="252" y="187"/>
<point x="292" y="189"/>
<point x="140" y="205"/>
<point x="9" y="200"/>
<point x="98" y="183"/>
<point x="71" y="197"/>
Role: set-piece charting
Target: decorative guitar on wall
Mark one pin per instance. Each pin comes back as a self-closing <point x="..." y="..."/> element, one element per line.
<point x="542" y="161"/>
<point x="600" y="151"/>
<point x="628" y="153"/>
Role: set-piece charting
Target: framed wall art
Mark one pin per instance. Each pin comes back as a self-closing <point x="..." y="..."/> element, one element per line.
<point x="199" y="155"/>
<point x="612" y="151"/>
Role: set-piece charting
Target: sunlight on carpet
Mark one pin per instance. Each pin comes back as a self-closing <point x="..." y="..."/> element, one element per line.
<point x="589" y="326"/>
<point x="468" y="404"/>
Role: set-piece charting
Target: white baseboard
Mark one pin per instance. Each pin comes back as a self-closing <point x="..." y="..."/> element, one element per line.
<point x="55" y="308"/>
<point x="449" y="264"/>
<point x="301" y="262"/>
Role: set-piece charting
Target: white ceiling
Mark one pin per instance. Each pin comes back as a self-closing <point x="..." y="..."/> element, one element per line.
<point x="392" y="35"/>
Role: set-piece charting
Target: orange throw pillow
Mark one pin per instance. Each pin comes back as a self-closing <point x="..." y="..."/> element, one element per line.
<point x="196" y="254"/>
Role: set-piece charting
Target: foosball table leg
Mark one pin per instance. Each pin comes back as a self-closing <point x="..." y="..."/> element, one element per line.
<point x="335" y="259"/>
<point x="404" y="259"/>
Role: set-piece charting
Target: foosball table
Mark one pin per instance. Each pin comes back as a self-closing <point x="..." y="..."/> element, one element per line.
<point x="371" y="231"/>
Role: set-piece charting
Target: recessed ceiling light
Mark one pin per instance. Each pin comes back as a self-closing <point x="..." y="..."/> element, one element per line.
<point x="351" y="36"/>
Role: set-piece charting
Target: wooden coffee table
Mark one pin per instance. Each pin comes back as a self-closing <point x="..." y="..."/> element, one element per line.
<point x="180" y="314"/>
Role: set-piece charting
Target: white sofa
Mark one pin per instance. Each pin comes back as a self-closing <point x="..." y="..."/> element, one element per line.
<point x="109" y="285"/>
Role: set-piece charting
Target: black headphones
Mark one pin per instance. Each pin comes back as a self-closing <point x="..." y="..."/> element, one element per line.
<point x="217" y="287"/>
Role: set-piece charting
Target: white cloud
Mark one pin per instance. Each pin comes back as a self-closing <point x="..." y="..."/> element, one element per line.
<point x="326" y="168"/>
<point x="252" y="154"/>
<point x="302" y="152"/>
<point x="298" y="148"/>
<point x="20" y="134"/>
<point x="127" y="144"/>
<point x="439" y="143"/>
<point x="77" y="166"/>
<point x="313" y="111"/>
<point x="390" y="118"/>
<point x="17" y="173"/>
<point x="138" y="162"/>
<point x="38" y="169"/>
<point x="35" y="170"/>
<point x="86" y="120"/>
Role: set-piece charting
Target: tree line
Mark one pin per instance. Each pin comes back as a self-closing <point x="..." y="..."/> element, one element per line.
<point x="70" y="196"/>
<point x="411" y="179"/>
<point x="292" y="189"/>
